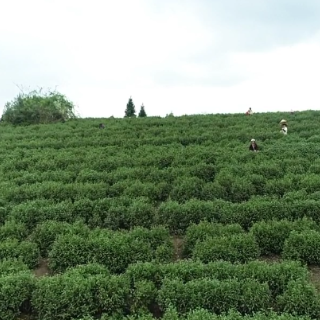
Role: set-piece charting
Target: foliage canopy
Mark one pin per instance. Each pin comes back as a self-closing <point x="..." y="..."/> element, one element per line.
<point x="37" y="107"/>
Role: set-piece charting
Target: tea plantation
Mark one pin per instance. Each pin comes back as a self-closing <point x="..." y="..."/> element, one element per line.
<point x="170" y="218"/>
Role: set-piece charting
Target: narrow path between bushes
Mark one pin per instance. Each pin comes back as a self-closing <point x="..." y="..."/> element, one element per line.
<point x="270" y="259"/>
<point x="42" y="269"/>
<point x="177" y="243"/>
<point x="315" y="276"/>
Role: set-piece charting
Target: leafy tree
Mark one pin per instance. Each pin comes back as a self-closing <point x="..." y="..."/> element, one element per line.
<point x="142" y="112"/>
<point x="130" y="111"/>
<point x="36" y="107"/>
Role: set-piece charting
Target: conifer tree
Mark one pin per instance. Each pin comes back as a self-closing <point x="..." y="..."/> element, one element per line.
<point x="142" y="112"/>
<point x="130" y="110"/>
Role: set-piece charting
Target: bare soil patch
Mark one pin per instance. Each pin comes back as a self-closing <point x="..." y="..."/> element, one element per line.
<point x="270" y="258"/>
<point x="43" y="269"/>
<point x="177" y="243"/>
<point x="315" y="276"/>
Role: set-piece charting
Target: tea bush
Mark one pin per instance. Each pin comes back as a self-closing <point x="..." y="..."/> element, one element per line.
<point x="303" y="246"/>
<point x="26" y="251"/>
<point x="300" y="298"/>
<point x="122" y="203"/>
<point x="234" y="248"/>
<point x="217" y="296"/>
<point x="45" y="233"/>
<point x="276" y="275"/>
<point x="75" y="294"/>
<point x="12" y="266"/>
<point x="271" y="235"/>
<point x="13" y="230"/>
<point x="202" y="314"/>
<point x="203" y="230"/>
<point x="15" y="293"/>
<point x="115" y="250"/>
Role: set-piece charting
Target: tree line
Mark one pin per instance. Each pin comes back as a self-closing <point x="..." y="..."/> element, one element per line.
<point x="131" y="110"/>
<point x="38" y="107"/>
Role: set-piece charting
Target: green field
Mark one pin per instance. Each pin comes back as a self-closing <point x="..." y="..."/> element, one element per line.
<point x="170" y="218"/>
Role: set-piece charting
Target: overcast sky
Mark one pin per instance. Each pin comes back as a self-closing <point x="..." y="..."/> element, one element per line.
<point x="180" y="56"/>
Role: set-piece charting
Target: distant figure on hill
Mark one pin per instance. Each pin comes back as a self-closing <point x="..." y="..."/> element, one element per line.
<point x="284" y="127"/>
<point x="249" y="112"/>
<point x="101" y="126"/>
<point x="253" y="146"/>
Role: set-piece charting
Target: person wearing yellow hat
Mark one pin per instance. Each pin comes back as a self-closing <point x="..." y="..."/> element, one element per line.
<point x="253" y="146"/>
<point x="284" y="126"/>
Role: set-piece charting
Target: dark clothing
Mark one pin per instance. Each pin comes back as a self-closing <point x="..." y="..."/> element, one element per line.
<point x="253" y="147"/>
<point x="101" y="126"/>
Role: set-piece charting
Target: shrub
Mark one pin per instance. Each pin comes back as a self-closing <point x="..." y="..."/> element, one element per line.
<point x="212" y="191"/>
<point x="246" y="214"/>
<point x="214" y="295"/>
<point x="203" y="171"/>
<point x="75" y="294"/>
<point x="301" y="298"/>
<point x="112" y="212"/>
<point x="258" y="182"/>
<point x="12" y="229"/>
<point x="202" y="314"/>
<point x="171" y="215"/>
<point x="236" y="248"/>
<point x="254" y="296"/>
<point x="276" y="276"/>
<point x="87" y="270"/>
<point x="186" y="188"/>
<point x="119" y="251"/>
<point x="271" y="235"/>
<point x="241" y="190"/>
<point x="278" y="187"/>
<point x="178" y="217"/>
<point x="69" y="250"/>
<point x="84" y="208"/>
<point x="15" y="294"/>
<point x="26" y="251"/>
<point x="115" y="250"/>
<point x="37" y="211"/>
<point x="203" y="230"/>
<point x="303" y="246"/>
<point x="12" y="266"/>
<point x="46" y="233"/>
<point x="37" y="107"/>
<point x="143" y="296"/>
<point x="140" y="213"/>
<point x="154" y="236"/>
<point x="310" y="182"/>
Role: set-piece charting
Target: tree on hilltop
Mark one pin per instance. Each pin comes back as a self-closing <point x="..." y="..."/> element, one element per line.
<point x="37" y="107"/>
<point x="130" y="110"/>
<point x="142" y="112"/>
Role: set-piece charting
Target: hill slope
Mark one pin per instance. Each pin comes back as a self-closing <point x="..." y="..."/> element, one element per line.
<point x="72" y="194"/>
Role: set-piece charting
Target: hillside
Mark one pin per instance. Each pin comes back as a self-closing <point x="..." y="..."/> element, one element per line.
<point x="161" y="217"/>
